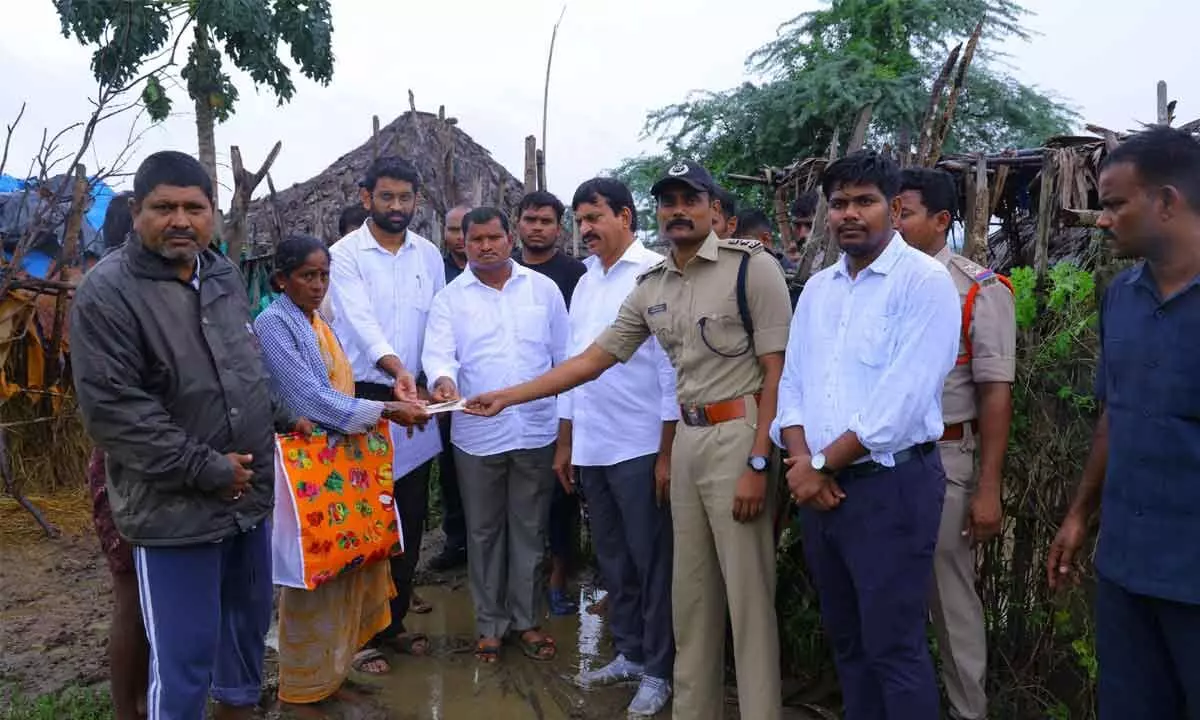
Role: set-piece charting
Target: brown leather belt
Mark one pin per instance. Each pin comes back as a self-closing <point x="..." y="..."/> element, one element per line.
<point x="958" y="431"/>
<point x="714" y="413"/>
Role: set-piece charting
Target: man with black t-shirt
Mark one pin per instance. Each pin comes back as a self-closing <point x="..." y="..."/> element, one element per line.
<point x="539" y="225"/>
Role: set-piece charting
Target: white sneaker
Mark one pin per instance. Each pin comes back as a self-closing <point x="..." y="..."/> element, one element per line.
<point x="618" y="671"/>
<point x="651" y="698"/>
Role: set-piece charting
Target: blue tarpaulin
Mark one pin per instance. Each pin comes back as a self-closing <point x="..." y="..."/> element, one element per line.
<point x="19" y="202"/>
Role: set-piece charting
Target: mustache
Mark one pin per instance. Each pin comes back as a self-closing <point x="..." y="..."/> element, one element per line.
<point x="180" y="235"/>
<point x="590" y="237"/>
<point x="852" y="228"/>
<point x="681" y="222"/>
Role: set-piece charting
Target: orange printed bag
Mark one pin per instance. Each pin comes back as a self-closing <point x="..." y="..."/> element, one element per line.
<point x="334" y="509"/>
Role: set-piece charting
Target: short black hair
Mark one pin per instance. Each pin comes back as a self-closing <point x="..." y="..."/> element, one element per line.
<point x="805" y="206"/>
<point x="394" y="167"/>
<point x="540" y="199"/>
<point x="1163" y="156"/>
<point x="170" y="167"/>
<point x="937" y="188"/>
<point x="118" y="220"/>
<point x="752" y="221"/>
<point x="729" y="203"/>
<point x="292" y="252"/>
<point x="612" y="191"/>
<point x="483" y="215"/>
<point x="351" y="218"/>
<point x="865" y="167"/>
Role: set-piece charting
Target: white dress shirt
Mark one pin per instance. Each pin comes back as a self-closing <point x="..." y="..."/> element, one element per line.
<point x="869" y="354"/>
<point x="486" y="339"/>
<point x="636" y="396"/>
<point x="380" y="304"/>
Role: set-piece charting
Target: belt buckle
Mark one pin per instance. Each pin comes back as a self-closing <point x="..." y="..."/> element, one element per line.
<point x="695" y="416"/>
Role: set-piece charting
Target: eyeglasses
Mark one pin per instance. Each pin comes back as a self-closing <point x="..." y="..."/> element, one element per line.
<point x="388" y="199"/>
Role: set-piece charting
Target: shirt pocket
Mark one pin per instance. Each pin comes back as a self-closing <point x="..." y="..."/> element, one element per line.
<point x="875" y="345"/>
<point x="723" y="334"/>
<point x="532" y="326"/>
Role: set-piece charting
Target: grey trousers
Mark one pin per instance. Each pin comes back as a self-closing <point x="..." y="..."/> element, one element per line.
<point x="632" y="537"/>
<point x="506" y="498"/>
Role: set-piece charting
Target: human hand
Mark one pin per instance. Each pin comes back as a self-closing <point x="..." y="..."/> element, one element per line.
<point x="444" y="390"/>
<point x="563" y="467"/>
<point x="488" y="404"/>
<point x="304" y="427"/>
<point x="241" y="475"/>
<point x="750" y="496"/>
<point x="812" y="487"/>
<point x="986" y="515"/>
<point x="662" y="479"/>
<point x="405" y="387"/>
<point x="407" y="414"/>
<point x="1061" y="569"/>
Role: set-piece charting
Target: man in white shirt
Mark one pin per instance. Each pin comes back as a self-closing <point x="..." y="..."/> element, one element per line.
<point x="625" y="475"/>
<point x="383" y="277"/>
<point x="871" y="342"/>
<point x="496" y="324"/>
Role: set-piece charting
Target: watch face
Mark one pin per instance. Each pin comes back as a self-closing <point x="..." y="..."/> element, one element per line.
<point x="758" y="463"/>
<point x="818" y="461"/>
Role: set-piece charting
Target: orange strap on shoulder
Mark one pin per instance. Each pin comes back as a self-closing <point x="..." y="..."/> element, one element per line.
<point x="968" y="310"/>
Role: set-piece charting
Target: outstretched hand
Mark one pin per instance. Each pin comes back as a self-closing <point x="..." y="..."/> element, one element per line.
<point x="488" y="404"/>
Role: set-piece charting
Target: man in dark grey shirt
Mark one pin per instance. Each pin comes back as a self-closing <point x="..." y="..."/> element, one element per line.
<point x="172" y="388"/>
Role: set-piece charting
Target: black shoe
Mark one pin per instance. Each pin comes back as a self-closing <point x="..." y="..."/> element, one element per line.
<point x="448" y="559"/>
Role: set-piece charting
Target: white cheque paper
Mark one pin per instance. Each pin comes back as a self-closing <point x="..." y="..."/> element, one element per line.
<point x="443" y="407"/>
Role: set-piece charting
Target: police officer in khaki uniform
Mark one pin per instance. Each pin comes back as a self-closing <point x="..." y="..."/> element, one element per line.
<point x="727" y="385"/>
<point x="977" y="410"/>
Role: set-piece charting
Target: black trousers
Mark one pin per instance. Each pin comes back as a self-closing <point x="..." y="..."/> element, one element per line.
<point x="412" y="496"/>
<point x="454" y="520"/>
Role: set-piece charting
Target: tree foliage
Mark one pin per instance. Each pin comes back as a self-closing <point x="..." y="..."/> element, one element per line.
<point x="129" y="33"/>
<point x="824" y="66"/>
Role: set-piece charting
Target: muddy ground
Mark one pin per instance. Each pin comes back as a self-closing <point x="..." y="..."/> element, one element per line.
<point x="55" y="603"/>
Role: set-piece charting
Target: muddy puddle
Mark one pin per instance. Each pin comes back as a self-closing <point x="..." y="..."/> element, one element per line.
<point x="450" y="683"/>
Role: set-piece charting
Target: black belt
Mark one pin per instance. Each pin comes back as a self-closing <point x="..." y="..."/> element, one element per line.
<point x="871" y="467"/>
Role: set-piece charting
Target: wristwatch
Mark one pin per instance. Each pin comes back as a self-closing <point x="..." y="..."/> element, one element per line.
<point x="758" y="463"/>
<point x="818" y="464"/>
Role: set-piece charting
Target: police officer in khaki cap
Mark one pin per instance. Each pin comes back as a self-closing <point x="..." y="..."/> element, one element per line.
<point x="977" y="410"/>
<point x="725" y="338"/>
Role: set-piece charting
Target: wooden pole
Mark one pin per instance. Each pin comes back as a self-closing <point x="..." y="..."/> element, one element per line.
<point x="70" y="251"/>
<point x="1164" y="113"/>
<point x="960" y="79"/>
<point x="858" y="138"/>
<point x="530" y="164"/>
<point x="975" y="247"/>
<point x="1045" y="217"/>
<point x="375" y="137"/>
<point x="925" y="141"/>
<point x="244" y="184"/>
<point x="546" y="95"/>
<point x="541" y="169"/>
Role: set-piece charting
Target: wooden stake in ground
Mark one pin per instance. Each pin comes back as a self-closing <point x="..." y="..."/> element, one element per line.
<point x="1046" y="217"/>
<point x="975" y="248"/>
<point x="530" y="164"/>
<point x="244" y="185"/>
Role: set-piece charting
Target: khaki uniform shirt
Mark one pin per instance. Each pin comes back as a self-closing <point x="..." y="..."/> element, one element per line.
<point x="694" y="314"/>
<point x="993" y="335"/>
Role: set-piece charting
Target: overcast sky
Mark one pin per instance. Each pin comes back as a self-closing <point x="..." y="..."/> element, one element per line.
<point x="615" y="61"/>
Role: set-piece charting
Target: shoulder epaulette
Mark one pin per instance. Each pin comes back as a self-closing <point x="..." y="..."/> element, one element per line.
<point x="656" y="267"/>
<point x="746" y="245"/>
<point x="978" y="274"/>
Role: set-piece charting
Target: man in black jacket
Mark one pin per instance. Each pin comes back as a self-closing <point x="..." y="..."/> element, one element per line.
<point x="172" y="388"/>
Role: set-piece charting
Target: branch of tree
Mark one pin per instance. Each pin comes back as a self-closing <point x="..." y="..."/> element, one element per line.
<point x="8" y="137"/>
<point x="935" y="99"/>
<point x="960" y="79"/>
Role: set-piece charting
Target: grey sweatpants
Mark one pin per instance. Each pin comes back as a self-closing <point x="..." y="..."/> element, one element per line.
<point x="506" y="498"/>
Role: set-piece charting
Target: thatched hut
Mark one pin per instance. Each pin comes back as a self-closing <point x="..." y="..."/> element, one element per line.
<point x="453" y="167"/>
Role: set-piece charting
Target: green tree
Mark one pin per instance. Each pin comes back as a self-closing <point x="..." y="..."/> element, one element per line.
<point x="825" y="66"/>
<point x="128" y="34"/>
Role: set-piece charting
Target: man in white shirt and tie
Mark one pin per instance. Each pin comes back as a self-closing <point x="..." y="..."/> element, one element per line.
<point x="496" y="324"/>
<point x="871" y="342"/>
<point x="625" y="475"/>
<point x="383" y="278"/>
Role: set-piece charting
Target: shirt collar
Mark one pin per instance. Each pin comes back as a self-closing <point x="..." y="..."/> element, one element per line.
<point x="518" y="271"/>
<point x="367" y="240"/>
<point x="708" y="251"/>
<point x="883" y="264"/>
<point x="943" y="255"/>
<point x="633" y="255"/>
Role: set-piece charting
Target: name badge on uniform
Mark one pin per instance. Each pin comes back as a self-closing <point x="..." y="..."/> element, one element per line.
<point x="656" y="309"/>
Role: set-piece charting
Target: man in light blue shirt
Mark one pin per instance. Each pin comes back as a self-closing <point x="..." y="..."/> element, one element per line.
<point x="860" y="413"/>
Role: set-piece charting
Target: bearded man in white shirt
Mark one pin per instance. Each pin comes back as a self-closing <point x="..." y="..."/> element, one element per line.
<point x="383" y="277"/>
<point x="625" y="475"/>
<point x="496" y="324"/>
<point x="860" y="413"/>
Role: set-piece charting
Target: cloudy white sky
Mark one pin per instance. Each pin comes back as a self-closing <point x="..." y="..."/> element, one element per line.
<point x="615" y="61"/>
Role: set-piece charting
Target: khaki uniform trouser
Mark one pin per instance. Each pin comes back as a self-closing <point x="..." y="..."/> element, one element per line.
<point x="954" y="604"/>
<point x="718" y="559"/>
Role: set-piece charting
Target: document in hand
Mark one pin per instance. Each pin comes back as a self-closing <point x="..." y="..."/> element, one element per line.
<point x="450" y="406"/>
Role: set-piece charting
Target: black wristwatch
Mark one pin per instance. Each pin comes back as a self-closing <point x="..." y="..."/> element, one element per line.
<point x="758" y="463"/>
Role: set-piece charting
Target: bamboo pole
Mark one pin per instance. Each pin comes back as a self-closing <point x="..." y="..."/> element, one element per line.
<point x="1045" y="218"/>
<point x="976" y="248"/>
<point x="546" y="94"/>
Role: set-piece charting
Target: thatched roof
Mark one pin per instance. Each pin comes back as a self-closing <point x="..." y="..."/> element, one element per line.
<point x="453" y="167"/>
